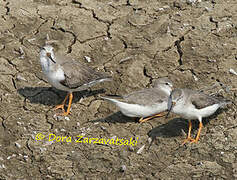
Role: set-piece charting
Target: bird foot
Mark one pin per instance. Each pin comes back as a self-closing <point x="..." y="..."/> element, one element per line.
<point x="189" y="139"/>
<point x="64" y="113"/>
<point x="60" y="106"/>
<point x="194" y="141"/>
<point x="141" y="120"/>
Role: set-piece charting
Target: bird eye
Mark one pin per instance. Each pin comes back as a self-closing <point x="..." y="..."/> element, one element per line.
<point x="167" y="84"/>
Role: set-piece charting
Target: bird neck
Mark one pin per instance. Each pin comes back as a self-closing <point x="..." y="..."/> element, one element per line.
<point x="46" y="64"/>
<point x="166" y="89"/>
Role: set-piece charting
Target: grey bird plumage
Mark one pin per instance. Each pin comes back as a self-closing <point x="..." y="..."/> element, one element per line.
<point x="191" y="104"/>
<point x="146" y="102"/>
<point x="68" y="74"/>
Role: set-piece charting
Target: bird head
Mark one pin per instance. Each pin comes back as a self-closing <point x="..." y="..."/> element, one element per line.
<point x="47" y="52"/>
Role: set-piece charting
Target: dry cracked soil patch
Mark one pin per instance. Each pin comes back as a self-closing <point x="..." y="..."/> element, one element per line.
<point x="193" y="42"/>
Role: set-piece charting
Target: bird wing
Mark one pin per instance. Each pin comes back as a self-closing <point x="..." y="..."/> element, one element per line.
<point x="79" y="75"/>
<point x="200" y="100"/>
<point x="146" y="97"/>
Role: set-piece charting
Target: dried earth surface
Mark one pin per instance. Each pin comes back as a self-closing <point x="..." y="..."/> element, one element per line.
<point x="194" y="43"/>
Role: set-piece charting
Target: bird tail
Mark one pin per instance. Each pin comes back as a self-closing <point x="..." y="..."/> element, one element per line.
<point x="112" y="98"/>
<point x="225" y="102"/>
<point x="222" y="101"/>
<point x="100" y="80"/>
<point x="106" y="79"/>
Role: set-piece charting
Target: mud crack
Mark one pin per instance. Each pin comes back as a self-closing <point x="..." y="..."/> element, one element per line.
<point x="69" y="48"/>
<point x="40" y="16"/>
<point x="179" y="49"/>
<point x="47" y="117"/>
<point x="11" y="63"/>
<point x="213" y="3"/>
<point x="3" y="122"/>
<point x="37" y="29"/>
<point x="76" y="2"/>
<point x="128" y="3"/>
<point x="7" y="8"/>
<point x="108" y="23"/>
<point x="125" y="45"/>
<point x="147" y="75"/>
<point x="215" y="22"/>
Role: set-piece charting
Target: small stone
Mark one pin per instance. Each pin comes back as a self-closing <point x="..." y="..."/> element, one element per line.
<point x="30" y="40"/>
<point x="57" y="117"/>
<point x="2" y="166"/>
<point x="141" y="149"/>
<point x="88" y="59"/>
<point x="149" y="140"/>
<point x="125" y="59"/>
<point x="20" y="78"/>
<point x="232" y="71"/>
<point x="103" y="128"/>
<point x="195" y="77"/>
<point x="42" y="150"/>
<point x="123" y="168"/>
<point x="17" y="145"/>
<point x="67" y="118"/>
<point x="25" y="157"/>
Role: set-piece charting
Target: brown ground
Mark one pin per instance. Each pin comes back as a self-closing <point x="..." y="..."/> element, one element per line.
<point x="136" y="41"/>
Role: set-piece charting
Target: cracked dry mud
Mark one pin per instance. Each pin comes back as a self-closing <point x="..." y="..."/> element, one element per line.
<point x="192" y="42"/>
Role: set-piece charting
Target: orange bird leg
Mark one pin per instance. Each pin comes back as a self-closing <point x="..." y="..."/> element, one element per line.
<point x="69" y="105"/>
<point x="189" y="133"/>
<point x="151" y="117"/>
<point x="61" y="106"/>
<point x="198" y="134"/>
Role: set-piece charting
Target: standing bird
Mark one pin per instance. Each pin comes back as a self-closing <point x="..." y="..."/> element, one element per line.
<point x="191" y="104"/>
<point x="68" y="75"/>
<point x="146" y="103"/>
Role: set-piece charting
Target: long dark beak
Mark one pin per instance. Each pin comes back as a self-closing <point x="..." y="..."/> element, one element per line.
<point x="170" y="105"/>
<point x="50" y="57"/>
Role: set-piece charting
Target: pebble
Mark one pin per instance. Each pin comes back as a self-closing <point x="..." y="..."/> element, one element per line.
<point x="20" y="78"/>
<point x="125" y="59"/>
<point x="67" y="118"/>
<point x="17" y="145"/>
<point x="232" y="71"/>
<point x="2" y="166"/>
<point x="123" y="168"/>
<point x="149" y="140"/>
<point x="141" y="149"/>
<point x="88" y="59"/>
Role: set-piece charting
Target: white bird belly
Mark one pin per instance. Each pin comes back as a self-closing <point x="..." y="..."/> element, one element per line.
<point x="136" y="110"/>
<point x="208" y="111"/>
<point x="54" y="78"/>
<point x="190" y="112"/>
